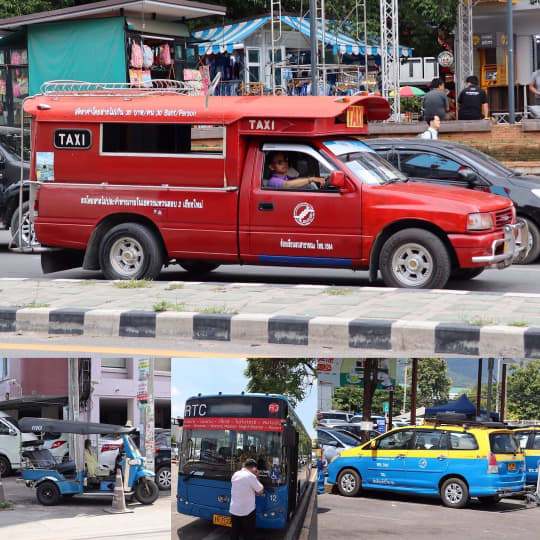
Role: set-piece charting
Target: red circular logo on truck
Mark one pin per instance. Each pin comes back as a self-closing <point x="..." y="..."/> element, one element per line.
<point x="273" y="408"/>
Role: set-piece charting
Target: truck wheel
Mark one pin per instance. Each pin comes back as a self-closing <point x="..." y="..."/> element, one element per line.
<point x="454" y="493"/>
<point x="146" y="491"/>
<point x="28" y="233"/>
<point x="415" y="259"/>
<point x="5" y="466"/>
<point x="48" y="494"/>
<point x="349" y="483"/>
<point x="534" y="233"/>
<point x="163" y="478"/>
<point x="130" y="251"/>
<point x="198" y="267"/>
<point x="466" y="273"/>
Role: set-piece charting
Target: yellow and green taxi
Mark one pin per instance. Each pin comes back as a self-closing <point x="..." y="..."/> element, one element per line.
<point x="456" y="461"/>
<point x="529" y="441"/>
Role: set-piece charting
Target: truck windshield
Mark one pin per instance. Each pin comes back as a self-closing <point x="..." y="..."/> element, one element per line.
<point x="365" y="163"/>
<point x="218" y="454"/>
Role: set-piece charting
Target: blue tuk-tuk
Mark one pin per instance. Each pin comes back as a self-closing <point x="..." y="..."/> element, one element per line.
<point x="55" y="480"/>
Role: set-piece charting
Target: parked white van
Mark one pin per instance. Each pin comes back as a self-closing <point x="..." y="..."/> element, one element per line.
<point x="10" y="444"/>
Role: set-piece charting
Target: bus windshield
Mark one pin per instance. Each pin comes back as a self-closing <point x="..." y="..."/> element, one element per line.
<point x="218" y="454"/>
<point x="365" y="163"/>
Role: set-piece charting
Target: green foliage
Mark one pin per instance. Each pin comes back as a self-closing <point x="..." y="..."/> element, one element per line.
<point x="16" y="8"/>
<point x="411" y="104"/>
<point x="351" y="399"/>
<point x="433" y="382"/>
<point x="291" y="377"/>
<point x="523" y="389"/>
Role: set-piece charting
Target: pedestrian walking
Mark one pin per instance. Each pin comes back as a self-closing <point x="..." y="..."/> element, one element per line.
<point x="473" y="102"/>
<point x="432" y="132"/>
<point x="436" y="100"/>
<point x="534" y="86"/>
<point x="244" y="487"/>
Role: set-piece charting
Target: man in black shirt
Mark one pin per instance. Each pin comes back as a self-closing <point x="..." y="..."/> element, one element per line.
<point x="472" y="101"/>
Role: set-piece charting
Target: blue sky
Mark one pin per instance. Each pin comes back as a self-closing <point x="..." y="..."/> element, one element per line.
<point x="191" y="376"/>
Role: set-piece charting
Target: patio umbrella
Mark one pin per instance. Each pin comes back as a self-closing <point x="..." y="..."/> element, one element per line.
<point x="409" y="91"/>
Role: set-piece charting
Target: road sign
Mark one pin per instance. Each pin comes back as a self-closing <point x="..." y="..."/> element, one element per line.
<point x="381" y="425"/>
<point x="386" y="407"/>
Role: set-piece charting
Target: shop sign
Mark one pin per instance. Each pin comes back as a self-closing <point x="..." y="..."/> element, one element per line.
<point x="445" y="59"/>
<point x="142" y="387"/>
<point x="489" y="40"/>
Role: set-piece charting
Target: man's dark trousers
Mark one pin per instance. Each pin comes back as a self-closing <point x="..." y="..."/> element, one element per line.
<point x="243" y="527"/>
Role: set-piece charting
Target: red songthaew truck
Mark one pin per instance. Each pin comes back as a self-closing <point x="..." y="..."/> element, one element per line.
<point x="129" y="181"/>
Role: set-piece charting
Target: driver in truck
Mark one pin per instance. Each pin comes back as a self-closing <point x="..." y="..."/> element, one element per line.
<point x="278" y="164"/>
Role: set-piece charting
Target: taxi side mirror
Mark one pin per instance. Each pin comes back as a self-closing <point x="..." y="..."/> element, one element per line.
<point x="337" y="179"/>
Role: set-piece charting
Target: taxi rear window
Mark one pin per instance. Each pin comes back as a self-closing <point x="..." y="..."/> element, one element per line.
<point x="503" y="443"/>
<point x="461" y="441"/>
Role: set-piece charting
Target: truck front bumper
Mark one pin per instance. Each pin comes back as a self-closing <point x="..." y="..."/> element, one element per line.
<point x="504" y="251"/>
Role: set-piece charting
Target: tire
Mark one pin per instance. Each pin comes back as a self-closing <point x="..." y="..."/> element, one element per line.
<point x="130" y="251"/>
<point x="5" y="466"/>
<point x="28" y="233"/>
<point x="146" y="491"/>
<point x="198" y="267"/>
<point x="48" y="494"/>
<point x="490" y="499"/>
<point x="454" y="493"/>
<point x="349" y="483"/>
<point x="164" y="478"/>
<point x="415" y="259"/>
<point x="534" y="253"/>
<point x="466" y="273"/>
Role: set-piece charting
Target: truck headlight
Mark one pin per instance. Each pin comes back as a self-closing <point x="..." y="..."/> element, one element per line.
<point x="479" y="222"/>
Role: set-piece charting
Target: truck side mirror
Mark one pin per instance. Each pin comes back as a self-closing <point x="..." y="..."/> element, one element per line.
<point x="337" y="179"/>
<point x="12" y="432"/>
<point x="468" y="175"/>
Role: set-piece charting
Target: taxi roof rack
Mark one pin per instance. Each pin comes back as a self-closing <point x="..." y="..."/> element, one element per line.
<point x="465" y="420"/>
<point x="107" y="89"/>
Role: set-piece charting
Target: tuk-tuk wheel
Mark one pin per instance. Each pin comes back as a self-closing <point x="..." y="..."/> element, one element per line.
<point x="48" y="494"/>
<point x="146" y="491"/>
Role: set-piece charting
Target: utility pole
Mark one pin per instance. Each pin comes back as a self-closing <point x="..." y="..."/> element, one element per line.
<point x="491" y="362"/>
<point x="511" y="81"/>
<point x="75" y="448"/>
<point x="404" y="409"/>
<point x="146" y="391"/>
<point x="414" y="388"/>
<point x="314" y="45"/>
<point x="497" y="401"/>
<point x="479" y="387"/>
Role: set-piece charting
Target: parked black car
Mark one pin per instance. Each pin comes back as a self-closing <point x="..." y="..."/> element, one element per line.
<point x="450" y="163"/>
<point x="163" y="458"/>
<point x="10" y="176"/>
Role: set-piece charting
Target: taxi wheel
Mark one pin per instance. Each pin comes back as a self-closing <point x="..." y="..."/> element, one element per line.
<point x="415" y="259"/>
<point x="130" y="251"/>
<point x="490" y="499"/>
<point x="349" y="483"/>
<point x="534" y="252"/>
<point x="454" y="493"/>
<point x="48" y="494"/>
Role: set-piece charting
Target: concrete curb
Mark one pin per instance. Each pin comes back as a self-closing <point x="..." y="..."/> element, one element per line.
<point x="357" y="335"/>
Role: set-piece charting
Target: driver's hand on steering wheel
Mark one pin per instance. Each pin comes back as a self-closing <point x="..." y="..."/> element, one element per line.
<point x="318" y="180"/>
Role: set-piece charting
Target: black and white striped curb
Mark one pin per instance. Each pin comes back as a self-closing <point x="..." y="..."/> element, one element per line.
<point x="354" y="334"/>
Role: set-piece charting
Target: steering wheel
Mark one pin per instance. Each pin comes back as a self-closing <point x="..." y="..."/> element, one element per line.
<point x="327" y="184"/>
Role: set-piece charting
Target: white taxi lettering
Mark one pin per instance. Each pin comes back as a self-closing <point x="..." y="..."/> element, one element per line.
<point x="264" y="125"/>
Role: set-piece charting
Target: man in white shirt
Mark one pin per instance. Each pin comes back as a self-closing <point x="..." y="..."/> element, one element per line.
<point x="432" y="132"/>
<point x="243" y="489"/>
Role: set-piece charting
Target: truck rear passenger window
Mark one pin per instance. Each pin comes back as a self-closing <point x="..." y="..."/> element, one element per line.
<point x="162" y="139"/>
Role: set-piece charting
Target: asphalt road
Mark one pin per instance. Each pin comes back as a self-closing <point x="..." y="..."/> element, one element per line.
<point x="522" y="279"/>
<point x="80" y="518"/>
<point x="404" y="517"/>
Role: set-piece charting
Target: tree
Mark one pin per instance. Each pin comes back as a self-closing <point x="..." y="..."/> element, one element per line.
<point x="351" y="398"/>
<point x="292" y="377"/>
<point x="16" y="8"/>
<point x="433" y="382"/>
<point x="523" y="390"/>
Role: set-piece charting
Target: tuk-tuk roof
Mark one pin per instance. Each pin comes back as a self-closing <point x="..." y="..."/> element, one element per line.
<point x="37" y="425"/>
<point x="128" y="106"/>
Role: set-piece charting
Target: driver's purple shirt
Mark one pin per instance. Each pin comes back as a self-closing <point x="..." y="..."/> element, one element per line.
<point x="276" y="180"/>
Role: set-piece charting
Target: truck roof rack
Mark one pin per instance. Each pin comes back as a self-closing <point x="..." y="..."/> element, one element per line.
<point x="83" y="88"/>
<point x="458" y="419"/>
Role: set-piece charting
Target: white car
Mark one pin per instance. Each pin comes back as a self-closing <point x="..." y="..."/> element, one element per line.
<point x="11" y="439"/>
<point x="334" y="442"/>
<point x="58" y="445"/>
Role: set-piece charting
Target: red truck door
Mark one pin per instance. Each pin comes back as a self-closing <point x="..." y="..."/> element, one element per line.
<point x="301" y="226"/>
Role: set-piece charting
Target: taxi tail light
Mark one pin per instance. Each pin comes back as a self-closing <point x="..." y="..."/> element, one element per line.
<point x="109" y="447"/>
<point x="493" y="466"/>
<point x="57" y="444"/>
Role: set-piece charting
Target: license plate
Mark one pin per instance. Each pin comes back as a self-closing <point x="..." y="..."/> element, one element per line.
<point x="224" y="521"/>
<point x="512" y="466"/>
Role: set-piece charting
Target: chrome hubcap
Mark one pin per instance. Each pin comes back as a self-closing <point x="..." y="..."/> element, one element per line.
<point x="165" y="478"/>
<point x="348" y="483"/>
<point x="28" y="235"/>
<point x="412" y="265"/>
<point x="127" y="257"/>
<point x="453" y="493"/>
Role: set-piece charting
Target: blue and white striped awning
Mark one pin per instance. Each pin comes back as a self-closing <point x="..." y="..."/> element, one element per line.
<point x="228" y="38"/>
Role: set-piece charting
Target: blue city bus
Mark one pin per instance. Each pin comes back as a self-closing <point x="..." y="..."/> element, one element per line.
<point x="220" y="433"/>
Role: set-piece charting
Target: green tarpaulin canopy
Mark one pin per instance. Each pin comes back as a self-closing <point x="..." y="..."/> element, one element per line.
<point x="89" y="50"/>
